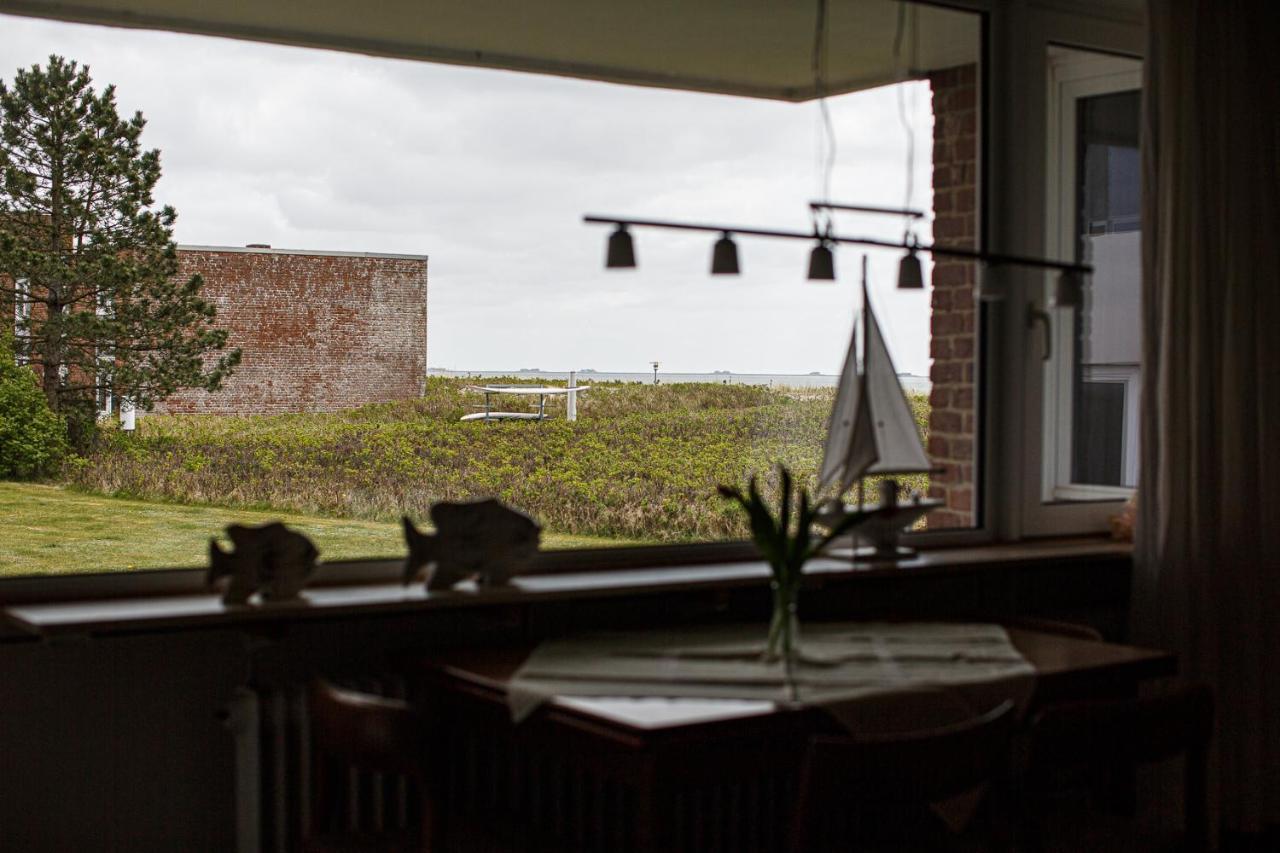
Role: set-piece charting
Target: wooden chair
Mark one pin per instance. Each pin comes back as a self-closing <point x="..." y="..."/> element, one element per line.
<point x="1079" y="745"/>
<point x="1075" y="630"/>
<point x="358" y="731"/>
<point x="870" y="792"/>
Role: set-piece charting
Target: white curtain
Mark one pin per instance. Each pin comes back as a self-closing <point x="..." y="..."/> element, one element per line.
<point x="1207" y="581"/>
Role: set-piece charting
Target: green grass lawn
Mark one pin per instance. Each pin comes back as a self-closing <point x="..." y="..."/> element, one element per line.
<point x="47" y="530"/>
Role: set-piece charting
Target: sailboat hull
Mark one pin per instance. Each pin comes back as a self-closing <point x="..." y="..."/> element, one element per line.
<point x="881" y="528"/>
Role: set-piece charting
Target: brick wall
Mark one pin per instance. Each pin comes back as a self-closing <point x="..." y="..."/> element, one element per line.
<point x="318" y="331"/>
<point x="952" y="401"/>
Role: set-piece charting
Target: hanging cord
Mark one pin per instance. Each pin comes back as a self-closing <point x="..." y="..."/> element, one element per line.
<point x="904" y="115"/>
<point x="827" y="135"/>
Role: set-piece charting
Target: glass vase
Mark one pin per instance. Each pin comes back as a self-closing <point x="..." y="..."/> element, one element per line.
<point x="784" y="625"/>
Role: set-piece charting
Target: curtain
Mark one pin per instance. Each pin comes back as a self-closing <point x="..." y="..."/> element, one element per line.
<point x="1207" y="555"/>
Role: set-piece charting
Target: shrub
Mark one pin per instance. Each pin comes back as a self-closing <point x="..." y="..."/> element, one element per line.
<point x="642" y="462"/>
<point x="32" y="438"/>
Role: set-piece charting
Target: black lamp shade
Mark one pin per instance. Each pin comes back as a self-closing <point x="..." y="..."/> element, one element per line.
<point x="622" y="252"/>
<point x="910" y="274"/>
<point x="822" y="263"/>
<point x="724" y="257"/>
<point x="1069" y="292"/>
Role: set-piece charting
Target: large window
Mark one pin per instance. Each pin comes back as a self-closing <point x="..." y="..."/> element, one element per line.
<point x="334" y="161"/>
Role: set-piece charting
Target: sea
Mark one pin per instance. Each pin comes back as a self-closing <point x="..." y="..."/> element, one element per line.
<point x="910" y="382"/>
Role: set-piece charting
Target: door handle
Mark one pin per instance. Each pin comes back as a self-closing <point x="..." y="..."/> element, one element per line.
<point x="1038" y="315"/>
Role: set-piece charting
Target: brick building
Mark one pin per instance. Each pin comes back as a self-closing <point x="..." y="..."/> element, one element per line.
<point x="319" y="331"/>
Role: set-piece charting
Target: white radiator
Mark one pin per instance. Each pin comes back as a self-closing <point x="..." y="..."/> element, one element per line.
<point x="274" y="771"/>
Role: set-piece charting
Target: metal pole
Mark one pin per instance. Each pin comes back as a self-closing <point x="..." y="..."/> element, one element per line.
<point x="934" y="249"/>
<point x="866" y="208"/>
<point x="571" y="407"/>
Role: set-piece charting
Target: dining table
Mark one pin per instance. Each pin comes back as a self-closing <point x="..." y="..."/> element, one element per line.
<point x="689" y="739"/>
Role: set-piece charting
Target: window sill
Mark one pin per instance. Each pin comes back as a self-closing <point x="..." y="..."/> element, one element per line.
<point x="156" y="613"/>
<point x="1083" y="493"/>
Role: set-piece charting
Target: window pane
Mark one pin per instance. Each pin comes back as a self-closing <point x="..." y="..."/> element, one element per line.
<point x="348" y="407"/>
<point x="1105" y="423"/>
<point x="1092" y="377"/>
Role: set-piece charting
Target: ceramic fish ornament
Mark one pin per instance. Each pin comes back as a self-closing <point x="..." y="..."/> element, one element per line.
<point x="481" y="539"/>
<point x="271" y="559"/>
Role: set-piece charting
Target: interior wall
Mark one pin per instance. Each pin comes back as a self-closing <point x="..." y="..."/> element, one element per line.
<point x="116" y="744"/>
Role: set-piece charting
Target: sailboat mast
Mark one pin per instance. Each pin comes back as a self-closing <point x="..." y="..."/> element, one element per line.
<point x="866" y="308"/>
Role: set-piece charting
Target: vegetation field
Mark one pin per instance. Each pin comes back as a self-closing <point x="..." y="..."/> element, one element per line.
<point x="51" y="530"/>
<point x="641" y="463"/>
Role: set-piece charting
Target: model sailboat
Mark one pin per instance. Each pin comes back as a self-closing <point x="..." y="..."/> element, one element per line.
<point x="872" y="432"/>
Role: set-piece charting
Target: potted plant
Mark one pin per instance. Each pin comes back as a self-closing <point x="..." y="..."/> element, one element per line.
<point x="786" y="541"/>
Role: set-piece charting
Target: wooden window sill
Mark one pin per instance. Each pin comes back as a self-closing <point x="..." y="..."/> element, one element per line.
<point x="112" y="616"/>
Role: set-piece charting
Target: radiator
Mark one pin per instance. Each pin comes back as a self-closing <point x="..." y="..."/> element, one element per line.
<point x="552" y="796"/>
<point x="274" y="772"/>
<point x="497" y="777"/>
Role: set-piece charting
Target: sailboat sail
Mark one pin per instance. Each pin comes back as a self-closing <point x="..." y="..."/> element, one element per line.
<point x="841" y="424"/>
<point x="871" y="429"/>
<point x="897" y="438"/>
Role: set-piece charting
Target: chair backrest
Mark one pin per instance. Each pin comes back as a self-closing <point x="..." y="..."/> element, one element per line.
<point x="365" y="731"/>
<point x="1093" y="737"/>
<point x="1075" y="630"/>
<point x="920" y="767"/>
<point x="1127" y="731"/>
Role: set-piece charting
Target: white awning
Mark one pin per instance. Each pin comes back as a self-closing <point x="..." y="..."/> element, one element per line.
<point x="759" y="48"/>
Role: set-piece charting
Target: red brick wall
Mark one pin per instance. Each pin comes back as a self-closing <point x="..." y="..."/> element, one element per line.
<point x="318" y="332"/>
<point x="952" y="402"/>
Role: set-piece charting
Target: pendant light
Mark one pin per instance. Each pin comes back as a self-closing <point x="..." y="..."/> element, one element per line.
<point x="622" y="252"/>
<point x="822" y="263"/>
<point x="1069" y="291"/>
<point x="910" y="273"/>
<point x="724" y="256"/>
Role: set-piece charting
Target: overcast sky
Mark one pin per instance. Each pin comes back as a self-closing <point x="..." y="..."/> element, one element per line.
<point x="489" y="173"/>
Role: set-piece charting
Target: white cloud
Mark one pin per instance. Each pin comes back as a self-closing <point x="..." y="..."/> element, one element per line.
<point x="489" y="173"/>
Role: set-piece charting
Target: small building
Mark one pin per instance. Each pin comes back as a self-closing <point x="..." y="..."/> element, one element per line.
<point x="319" y="331"/>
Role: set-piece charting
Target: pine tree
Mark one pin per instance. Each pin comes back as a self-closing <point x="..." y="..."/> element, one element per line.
<point x="86" y="260"/>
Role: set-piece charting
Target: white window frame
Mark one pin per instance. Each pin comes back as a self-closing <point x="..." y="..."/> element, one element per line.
<point x="107" y="399"/>
<point x="1020" y="210"/>
<point x="21" y="317"/>
<point x="1072" y="77"/>
<point x="1131" y="378"/>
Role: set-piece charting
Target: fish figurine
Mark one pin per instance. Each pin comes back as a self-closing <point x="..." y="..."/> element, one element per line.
<point x="271" y="559"/>
<point x="485" y="540"/>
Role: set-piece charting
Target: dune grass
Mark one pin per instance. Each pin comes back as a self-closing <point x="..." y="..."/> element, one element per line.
<point x="642" y="463"/>
<point x="52" y="530"/>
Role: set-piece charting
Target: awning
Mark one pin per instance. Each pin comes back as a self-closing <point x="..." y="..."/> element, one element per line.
<point x="759" y="48"/>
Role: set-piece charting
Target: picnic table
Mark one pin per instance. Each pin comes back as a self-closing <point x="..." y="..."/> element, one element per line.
<point x="542" y="392"/>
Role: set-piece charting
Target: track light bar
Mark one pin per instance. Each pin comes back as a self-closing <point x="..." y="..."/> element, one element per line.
<point x="994" y="258"/>
<point x="864" y="208"/>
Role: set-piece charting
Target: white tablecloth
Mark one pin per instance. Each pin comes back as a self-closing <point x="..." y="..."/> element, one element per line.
<point x="873" y="677"/>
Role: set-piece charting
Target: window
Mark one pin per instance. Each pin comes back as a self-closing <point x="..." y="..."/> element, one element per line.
<point x="1093" y="378"/>
<point x="105" y="399"/>
<point x="21" y="319"/>
<point x="745" y="365"/>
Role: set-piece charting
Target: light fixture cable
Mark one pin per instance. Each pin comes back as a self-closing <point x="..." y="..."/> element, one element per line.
<point x="827" y="146"/>
<point x="904" y="118"/>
